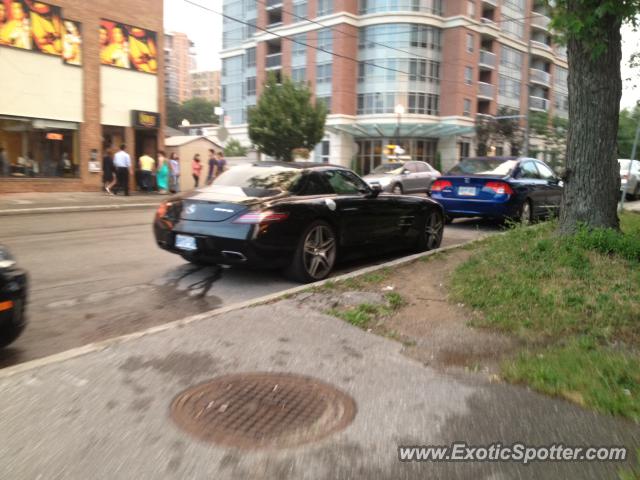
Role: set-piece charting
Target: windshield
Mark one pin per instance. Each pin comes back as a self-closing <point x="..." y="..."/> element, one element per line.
<point x="389" y="168"/>
<point x="484" y="166"/>
<point x="258" y="180"/>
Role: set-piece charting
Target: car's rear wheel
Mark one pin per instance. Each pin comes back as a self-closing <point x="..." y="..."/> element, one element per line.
<point x="397" y="189"/>
<point x="526" y="213"/>
<point x="431" y="235"/>
<point x="315" y="255"/>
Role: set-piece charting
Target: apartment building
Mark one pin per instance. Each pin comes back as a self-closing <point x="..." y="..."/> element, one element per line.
<point x="206" y="84"/>
<point x="408" y="72"/>
<point x="179" y="61"/>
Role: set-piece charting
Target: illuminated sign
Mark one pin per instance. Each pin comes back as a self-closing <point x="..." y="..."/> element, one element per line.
<point x="55" y="136"/>
<point x="145" y="119"/>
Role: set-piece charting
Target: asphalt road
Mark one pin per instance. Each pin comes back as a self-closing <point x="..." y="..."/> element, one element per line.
<point x="97" y="275"/>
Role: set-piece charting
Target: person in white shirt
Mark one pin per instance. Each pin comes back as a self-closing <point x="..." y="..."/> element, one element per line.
<point x="122" y="164"/>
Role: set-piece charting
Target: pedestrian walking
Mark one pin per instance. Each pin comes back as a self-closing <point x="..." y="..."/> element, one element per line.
<point x="174" y="171"/>
<point x="122" y="162"/>
<point x="162" y="178"/>
<point x="108" y="171"/>
<point x="213" y="163"/>
<point x="196" y="168"/>
<point x="221" y="164"/>
<point x="147" y="164"/>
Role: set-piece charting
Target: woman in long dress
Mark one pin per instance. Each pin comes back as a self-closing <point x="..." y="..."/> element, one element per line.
<point x="162" y="177"/>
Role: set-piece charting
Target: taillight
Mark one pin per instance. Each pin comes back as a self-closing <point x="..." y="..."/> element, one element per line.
<point x="440" y="185"/>
<point x="501" y="188"/>
<point x="258" y="218"/>
<point x="162" y="209"/>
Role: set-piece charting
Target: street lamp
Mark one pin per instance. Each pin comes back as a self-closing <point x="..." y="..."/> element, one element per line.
<point x="399" y="110"/>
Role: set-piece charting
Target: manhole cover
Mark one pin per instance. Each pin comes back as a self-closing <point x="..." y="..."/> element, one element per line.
<point x="263" y="410"/>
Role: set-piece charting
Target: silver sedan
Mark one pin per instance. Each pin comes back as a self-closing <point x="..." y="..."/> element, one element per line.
<point x="630" y="180"/>
<point x="403" y="177"/>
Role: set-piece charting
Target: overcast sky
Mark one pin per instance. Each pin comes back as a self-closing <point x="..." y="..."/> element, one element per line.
<point x="205" y="29"/>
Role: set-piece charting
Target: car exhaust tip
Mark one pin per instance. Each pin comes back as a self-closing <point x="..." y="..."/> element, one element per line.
<point x="237" y="256"/>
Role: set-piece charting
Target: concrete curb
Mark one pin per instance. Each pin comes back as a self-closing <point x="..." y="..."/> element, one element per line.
<point x="103" y="345"/>
<point x="76" y="209"/>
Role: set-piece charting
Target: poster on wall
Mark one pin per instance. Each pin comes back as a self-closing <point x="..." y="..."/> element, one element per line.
<point x="46" y="27"/>
<point x="71" y="42"/>
<point x="129" y="47"/>
<point x="114" y="45"/>
<point x="15" y="24"/>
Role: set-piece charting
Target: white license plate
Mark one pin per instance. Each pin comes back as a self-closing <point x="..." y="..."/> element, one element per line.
<point x="185" y="242"/>
<point x="467" y="191"/>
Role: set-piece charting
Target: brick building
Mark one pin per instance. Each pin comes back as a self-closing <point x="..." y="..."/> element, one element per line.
<point x="179" y="60"/>
<point x="413" y="72"/>
<point x="206" y="84"/>
<point x="91" y="81"/>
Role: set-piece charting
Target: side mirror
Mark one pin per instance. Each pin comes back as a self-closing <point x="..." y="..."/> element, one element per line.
<point x="374" y="191"/>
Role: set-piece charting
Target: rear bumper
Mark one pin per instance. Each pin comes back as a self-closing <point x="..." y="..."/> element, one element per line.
<point x="477" y="208"/>
<point x="218" y="247"/>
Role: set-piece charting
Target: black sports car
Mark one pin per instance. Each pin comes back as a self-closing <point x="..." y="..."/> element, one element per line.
<point x="13" y="298"/>
<point x="300" y="217"/>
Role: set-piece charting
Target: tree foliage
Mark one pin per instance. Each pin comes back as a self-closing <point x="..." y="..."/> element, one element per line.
<point x="285" y="119"/>
<point x="195" y="110"/>
<point x="234" y="149"/>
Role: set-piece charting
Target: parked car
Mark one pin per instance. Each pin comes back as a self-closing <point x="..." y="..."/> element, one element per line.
<point x="630" y="181"/>
<point x="499" y="187"/>
<point x="13" y="298"/>
<point x="403" y="177"/>
<point x="300" y="217"/>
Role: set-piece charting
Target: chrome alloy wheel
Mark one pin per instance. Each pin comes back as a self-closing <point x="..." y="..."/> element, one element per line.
<point x="434" y="227"/>
<point x="319" y="251"/>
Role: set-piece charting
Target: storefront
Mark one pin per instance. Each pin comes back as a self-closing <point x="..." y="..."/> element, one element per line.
<point x="38" y="148"/>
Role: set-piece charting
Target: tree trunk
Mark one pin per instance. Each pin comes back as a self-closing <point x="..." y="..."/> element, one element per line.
<point x="592" y="181"/>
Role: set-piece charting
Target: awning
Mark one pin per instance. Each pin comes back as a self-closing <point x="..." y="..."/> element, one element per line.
<point x="406" y="130"/>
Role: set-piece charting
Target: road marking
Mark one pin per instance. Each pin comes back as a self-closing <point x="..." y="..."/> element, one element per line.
<point x="75" y="209"/>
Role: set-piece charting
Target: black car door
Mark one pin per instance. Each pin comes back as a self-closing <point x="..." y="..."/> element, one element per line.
<point x="359" y="220"/>
<point x="529" y="184"/>
<point x="553" y="188"/>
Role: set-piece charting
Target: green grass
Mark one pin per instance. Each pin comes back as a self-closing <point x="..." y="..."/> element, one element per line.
<point x="573" y="301"/>
<point x="364" y="314"/>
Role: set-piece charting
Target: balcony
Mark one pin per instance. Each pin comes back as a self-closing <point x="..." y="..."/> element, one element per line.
<point x="493" y="3"/>
<point x="487" y="59"/>
<point x="486" y="90"/>
<point x="274" y="60"/>
<point x="541" y="21"/>
<point x="538" y="104"/>
<point x="540" y="77"/>
<point x="541" y="45"/>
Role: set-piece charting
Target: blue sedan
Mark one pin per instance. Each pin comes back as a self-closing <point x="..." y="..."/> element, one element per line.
<point x="499" y="187"/>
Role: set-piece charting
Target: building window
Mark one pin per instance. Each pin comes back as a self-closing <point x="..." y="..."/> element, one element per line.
<point x="467" y="108"/>
<point x="508" y="87"/>
<point x="423" y="103"/>
<point x="323" y="73"/>
<point x="464" y="150"/>
<point x="325" y="39"/>
<point x="325" y="7"/>
<point x="511" y="58"/>
<point x="433" y="7"/>
<point x="326" y="99"/>
<point x="322" y="152"/>
<point x="251" y="86"/>
<point x="299" y="74"/>
<point x="470" y="41"/>
<point x="468" y="75"/>
<point x="513" y="27"/>
<point x="251" y="57"/>
<point x="517" y="5"/>
<point x="299" y="45"/>
<point x="471" y="8"/>
<point x="300" y="10"/>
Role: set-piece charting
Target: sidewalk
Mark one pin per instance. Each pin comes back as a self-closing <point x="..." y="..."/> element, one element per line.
<point x="632" y="206"/>
<point x="106" y="414"/>
<point x="37" y="202"/>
